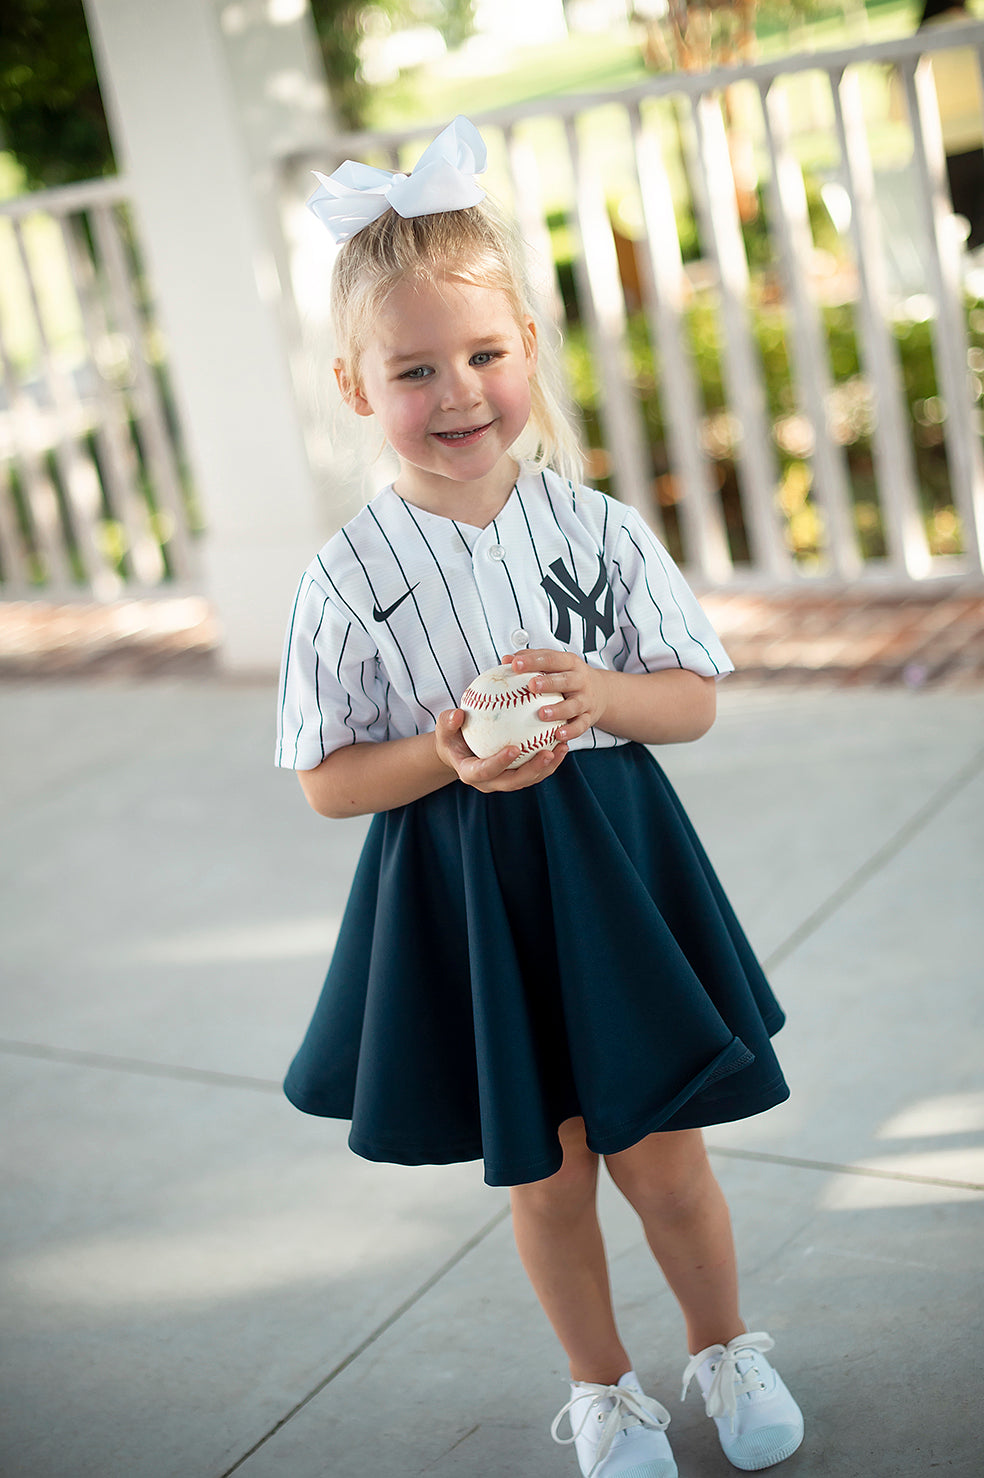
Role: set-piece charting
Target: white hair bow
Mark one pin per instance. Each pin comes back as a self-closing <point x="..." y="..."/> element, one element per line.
<point x="443" y="179"/>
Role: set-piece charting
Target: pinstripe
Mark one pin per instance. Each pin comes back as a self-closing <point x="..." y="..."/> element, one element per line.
<point x="416" y="607"/>
<point x="546" y="489"/>
<point x="390" y="679"/>
<point x="366" y="692"/>
<point x="505" y="566"/>
<point x="317" y="695"/>
<point x="610" y="562"/>
<point x="529" y="530"/>
<point x="350" y="608"/>
<point x="284" y="678"/>
<point x="657" y="550"/>
<point x="372" y="591"/>
<point x="628" y="617"/>
<point x="440" y="571"/>
<point x="457" y="529"/>
<point x="485" y="615"/>
<point x="645" y="575"/>
<point x="338" y="673"/>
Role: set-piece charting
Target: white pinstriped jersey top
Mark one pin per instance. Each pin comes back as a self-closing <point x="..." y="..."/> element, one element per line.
<point x="399" y="611"/>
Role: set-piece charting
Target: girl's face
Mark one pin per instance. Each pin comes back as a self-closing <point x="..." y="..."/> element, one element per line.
<point x="447" y="371"/>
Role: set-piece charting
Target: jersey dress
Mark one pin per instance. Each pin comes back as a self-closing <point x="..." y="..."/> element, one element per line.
<point x="506" y="962"/>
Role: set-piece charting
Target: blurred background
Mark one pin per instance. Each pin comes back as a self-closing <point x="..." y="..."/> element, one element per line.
<point x="758" y="227"/>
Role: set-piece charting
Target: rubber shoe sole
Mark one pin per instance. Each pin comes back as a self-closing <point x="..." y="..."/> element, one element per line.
<point x="657" y="1469"/>
<point x="762" y="1449"/>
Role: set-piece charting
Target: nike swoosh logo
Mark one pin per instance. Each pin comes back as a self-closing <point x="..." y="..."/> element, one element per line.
<point x="378" y="615"/>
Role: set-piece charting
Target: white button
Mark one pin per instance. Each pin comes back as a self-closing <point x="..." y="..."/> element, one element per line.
<point x="496" y="551"/>
<point x="519" y="637"/>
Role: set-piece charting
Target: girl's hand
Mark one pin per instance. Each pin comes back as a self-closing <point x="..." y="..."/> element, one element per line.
<point x="492" y="774"/>
<point x="582" y="688"/>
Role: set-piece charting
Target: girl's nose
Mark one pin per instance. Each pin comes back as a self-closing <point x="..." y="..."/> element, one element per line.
<point x="462" y="387"/>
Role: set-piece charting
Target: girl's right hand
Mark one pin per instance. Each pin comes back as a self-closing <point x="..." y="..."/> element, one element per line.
<point x="494" y="773"/>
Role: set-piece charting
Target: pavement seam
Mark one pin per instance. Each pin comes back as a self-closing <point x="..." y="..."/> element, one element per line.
<point x="831" y="1166"/>
<point x="877" y="861"/>
<point x="453" y="1448"/>
<point x="138" y="1065"/>
<point x="268" y="1085"/>
<point x="404" y="1308"/>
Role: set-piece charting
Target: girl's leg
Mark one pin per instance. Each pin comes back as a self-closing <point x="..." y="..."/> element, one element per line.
<point x="555" y="1222"/>
<point x="668" y="1181"/>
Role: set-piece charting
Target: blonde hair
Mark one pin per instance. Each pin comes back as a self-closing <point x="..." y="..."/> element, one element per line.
<point x="478" y="246"/>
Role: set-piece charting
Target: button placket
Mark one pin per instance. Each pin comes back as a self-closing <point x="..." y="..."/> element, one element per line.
<point x="497" y="597"/>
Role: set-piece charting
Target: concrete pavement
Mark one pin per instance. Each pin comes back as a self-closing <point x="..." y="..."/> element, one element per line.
<point x="197" y="1281"/>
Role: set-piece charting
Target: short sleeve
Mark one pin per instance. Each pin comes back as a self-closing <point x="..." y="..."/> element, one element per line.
<point x="660" y="617"/>
<point x="330" y="692"/>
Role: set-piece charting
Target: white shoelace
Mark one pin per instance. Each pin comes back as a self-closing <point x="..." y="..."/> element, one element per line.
<point x="721" y="1397"/>
<point x="630" y="1408"/>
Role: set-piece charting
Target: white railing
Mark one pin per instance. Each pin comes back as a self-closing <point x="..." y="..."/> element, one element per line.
<point x="828" y="486"/>
<point x="775" y="478"/>
<point x="93" y="498"/>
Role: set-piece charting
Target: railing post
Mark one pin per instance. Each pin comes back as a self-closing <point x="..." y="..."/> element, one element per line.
<point x="756" y="463"/>
<point x="943" y="266"/>
<point x="705" y="541"/>
<point x="790" y="220"/>
<point x="894" y="461"/>
<point x="158" y="449"/>
<point x="600" y="294"/>
<point x="35" y="481"/>
<point x="144" y="560"/>
<point x="531" y="218"/>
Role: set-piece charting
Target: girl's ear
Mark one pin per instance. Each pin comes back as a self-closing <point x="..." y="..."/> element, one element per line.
<point x="352" y="394"/>
<point x="530" y="343"/>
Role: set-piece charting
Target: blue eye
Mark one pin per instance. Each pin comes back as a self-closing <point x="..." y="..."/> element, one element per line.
<point x="484" y="356"/>
<point x="419" y="373"/>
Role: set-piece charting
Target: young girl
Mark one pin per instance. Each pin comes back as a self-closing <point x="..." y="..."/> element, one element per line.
<point x="536" y="967"/>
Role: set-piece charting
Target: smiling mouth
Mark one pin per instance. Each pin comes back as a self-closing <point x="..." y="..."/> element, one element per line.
<point x="457" y="438"/>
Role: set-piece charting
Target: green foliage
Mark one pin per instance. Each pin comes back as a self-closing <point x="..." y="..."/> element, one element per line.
<point x="770" y="327"/>
<point x="342" y="25"/>
<point x="455" y="19"/>
<point x="851" y="405"/>
<point x="51" y="113"/>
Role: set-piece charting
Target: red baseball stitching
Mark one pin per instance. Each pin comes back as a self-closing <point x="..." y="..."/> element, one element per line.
<point x="496" y="700"/>
<point x="544" y="740"/>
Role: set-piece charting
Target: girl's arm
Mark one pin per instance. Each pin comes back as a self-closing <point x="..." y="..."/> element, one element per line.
<point x="363" y="778"/>
<point x="666" y="707"/>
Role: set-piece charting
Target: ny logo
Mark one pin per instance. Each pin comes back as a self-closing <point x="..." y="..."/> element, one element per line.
<point x="568" y="596"/>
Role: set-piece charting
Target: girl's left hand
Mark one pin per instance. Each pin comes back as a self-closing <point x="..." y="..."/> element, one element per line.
<point x="581" y="687"/>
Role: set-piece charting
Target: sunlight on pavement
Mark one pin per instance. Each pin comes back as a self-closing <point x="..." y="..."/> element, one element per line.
<point x="293" y="939"/>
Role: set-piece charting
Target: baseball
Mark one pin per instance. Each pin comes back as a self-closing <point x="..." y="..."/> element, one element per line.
<point x="500" y="709"/>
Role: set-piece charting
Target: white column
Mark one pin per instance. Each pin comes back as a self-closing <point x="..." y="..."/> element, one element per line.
<point x="200" y="94"/>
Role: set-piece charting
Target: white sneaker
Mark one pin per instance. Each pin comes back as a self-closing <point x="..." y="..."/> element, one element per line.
<point x="758" y="1421"/>
<point x="617" y="1430"/>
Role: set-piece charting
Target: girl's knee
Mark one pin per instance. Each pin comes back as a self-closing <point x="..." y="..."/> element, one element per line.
<point x="667" y="1174"/>
<point x="570" y="1187"/>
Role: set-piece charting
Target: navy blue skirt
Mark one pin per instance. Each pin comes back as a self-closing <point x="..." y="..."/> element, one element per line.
<point x="507" y="962"/>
